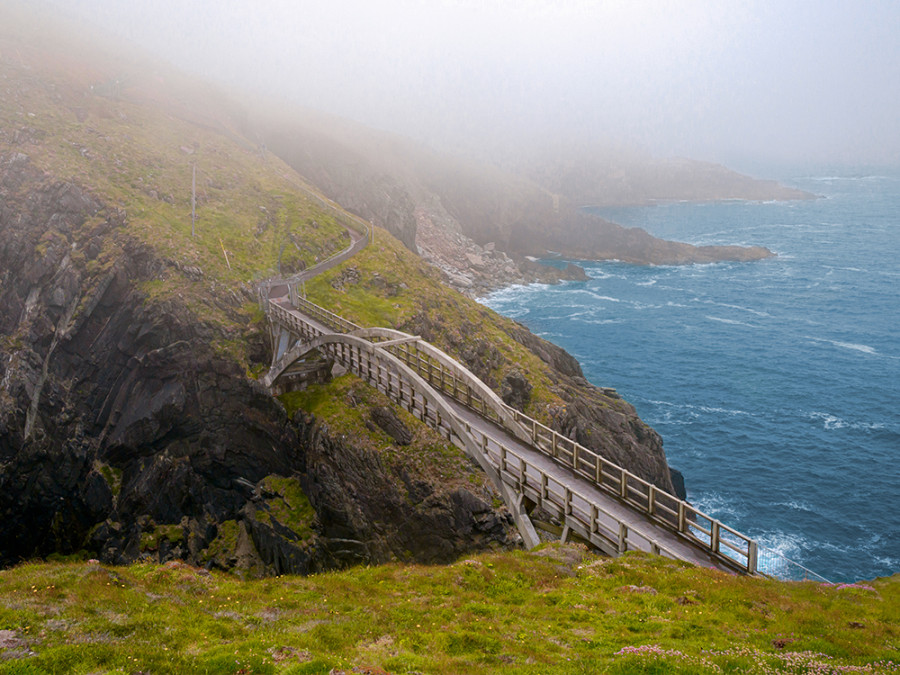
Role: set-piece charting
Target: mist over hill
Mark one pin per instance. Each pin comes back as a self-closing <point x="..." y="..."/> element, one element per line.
<point x="526" y="212"/>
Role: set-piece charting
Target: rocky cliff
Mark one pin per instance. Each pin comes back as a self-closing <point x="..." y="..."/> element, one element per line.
<point x="124" y="432"/>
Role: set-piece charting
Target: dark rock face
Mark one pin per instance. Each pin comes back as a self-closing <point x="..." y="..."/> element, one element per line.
<point x="516" y="390"/>
<point x="391" y="425"/>
<point x="371" y="512"/>
<point x="678" y="483"/>
<point x="124" y="434"/>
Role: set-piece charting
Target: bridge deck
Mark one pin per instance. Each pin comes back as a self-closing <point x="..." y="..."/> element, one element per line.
<point x="564" y="476"/>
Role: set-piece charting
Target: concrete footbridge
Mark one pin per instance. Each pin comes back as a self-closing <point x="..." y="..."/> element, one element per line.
<point x="533" y="467"/>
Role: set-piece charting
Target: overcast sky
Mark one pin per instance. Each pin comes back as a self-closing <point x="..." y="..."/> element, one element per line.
<point x="737" y="81"/>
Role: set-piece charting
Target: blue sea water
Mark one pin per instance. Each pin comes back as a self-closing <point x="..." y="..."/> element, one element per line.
<point x="774" y="384"/>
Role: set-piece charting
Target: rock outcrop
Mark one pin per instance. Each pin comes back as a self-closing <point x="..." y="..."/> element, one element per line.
<point x="475" y="270"/>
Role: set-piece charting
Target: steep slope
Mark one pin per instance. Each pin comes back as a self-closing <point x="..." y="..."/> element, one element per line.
<point x="131" y="422"/>
<point x="608" y="176"/>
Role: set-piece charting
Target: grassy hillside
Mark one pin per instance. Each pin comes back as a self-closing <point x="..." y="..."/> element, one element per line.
<point x="556" y="610"/>
<point x="133" y="134"/>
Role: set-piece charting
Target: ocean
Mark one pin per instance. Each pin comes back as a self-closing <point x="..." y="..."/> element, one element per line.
<point x="774" y="384"/>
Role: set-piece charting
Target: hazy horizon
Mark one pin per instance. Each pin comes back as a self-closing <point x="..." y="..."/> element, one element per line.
<point x="742" y="83"/>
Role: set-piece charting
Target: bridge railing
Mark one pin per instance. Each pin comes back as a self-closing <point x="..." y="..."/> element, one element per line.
<point x="334" y="321"/>
<point x="774" y="564"/>
<point x="575" y="509"/>
<point x="708" y="533"/>
<point x="642" y="495"/>
<point x="669" y="511"/>
<point x="446" y="381"/>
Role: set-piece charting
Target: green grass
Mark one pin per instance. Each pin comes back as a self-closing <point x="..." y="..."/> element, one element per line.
<point x="398" y="289"/>
<point x="344" y="405"/>
<point x="136" y="152"/>
<point x="557" y="610"/>
<point x="288" y="505"/>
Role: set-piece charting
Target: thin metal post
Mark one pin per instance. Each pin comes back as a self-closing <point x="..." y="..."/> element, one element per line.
<point x="193" y="200"/>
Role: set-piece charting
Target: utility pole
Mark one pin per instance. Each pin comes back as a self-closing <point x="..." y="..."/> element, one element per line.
<point x="193" y="200"/>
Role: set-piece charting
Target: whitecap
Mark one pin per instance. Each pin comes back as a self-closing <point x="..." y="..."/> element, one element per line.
<point x="592" y="294"/>
<point x="829" y="421"/>
<point x="739" y="307"/>
<point x="865" y="349"/>
<point x="651" y="282"/>
<point x="600" y="322"/>
<point x="887" y="561"/>
<point x="715" y="505"/>
<point x="730" y="321"/>
<point x="796" y="505"/>
<point x="724" y="411"/>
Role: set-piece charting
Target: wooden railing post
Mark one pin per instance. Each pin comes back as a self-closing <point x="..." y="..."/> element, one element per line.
<point x="623" y="538"/>
<point x="623" y="484"/>
<point x="752" y="556"/>
<point x="651" y="500"/>
<point x="682" y="519"/>
<point x="714" y="536"/>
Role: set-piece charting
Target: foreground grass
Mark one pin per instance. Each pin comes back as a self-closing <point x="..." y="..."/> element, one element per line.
<point x="552" y="611"/>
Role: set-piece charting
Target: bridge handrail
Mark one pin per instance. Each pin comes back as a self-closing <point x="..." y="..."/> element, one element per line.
<point x="504" y="414"/>
<point x="640" y="493"/>
<point x="592" y="526"/>
<point x="775" y="565"/>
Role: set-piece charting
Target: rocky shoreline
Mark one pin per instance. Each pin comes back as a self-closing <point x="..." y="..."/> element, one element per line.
<point x="475" y="270"/>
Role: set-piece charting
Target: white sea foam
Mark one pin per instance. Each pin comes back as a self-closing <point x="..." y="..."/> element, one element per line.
<point x="796" y="505"/>
<point x="739" y="307"/>
<point x="722" y="411"/>
<point x="865" y="349"/>
<point x="651" y="282"/>
<point x="785" y="547"/>
<point x="730" y="321"/>
<point x="831" y="422"/>
<point x="716" y="505"/>
<point x="600" y="322"/>
<point x="828" y="421"/>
